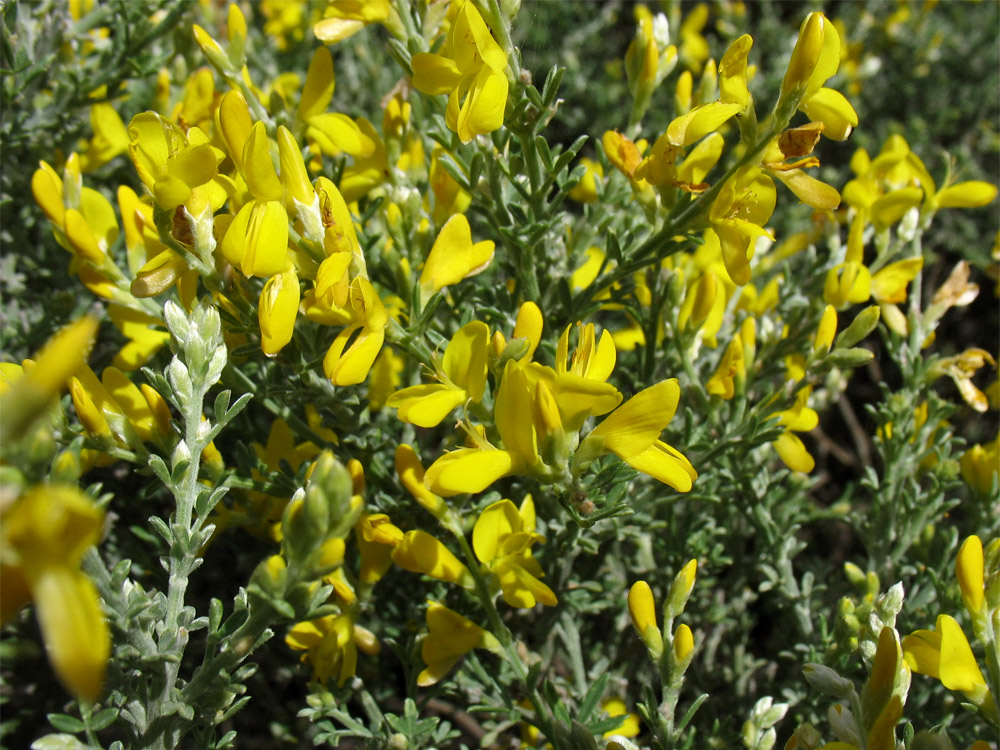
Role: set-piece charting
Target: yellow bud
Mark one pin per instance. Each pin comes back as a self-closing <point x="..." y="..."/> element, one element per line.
<point x="826" y="331"/>
<point x="681" y="588"/>
<point x="969" y="566"/>
<point x="642" y="610"/>
<point x="683" y="643"/>
<point x="211" y="48"/>
<point x="806" y="54"/>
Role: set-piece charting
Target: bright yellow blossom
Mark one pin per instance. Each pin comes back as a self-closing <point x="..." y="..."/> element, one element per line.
<point x="502" y="539"/>
<point x="471" y="69"/>
<point x="462" y="376"/>
<point x="449" y="637"/>
<point x="45" y="534"/>
<point x="944" y="653"/>
<point x="800" y="418"/>
<point x="454" y="257"/>
<point x="738" y="215"/>
<point x="816" y="58"/>
<point x="331" y="645"/>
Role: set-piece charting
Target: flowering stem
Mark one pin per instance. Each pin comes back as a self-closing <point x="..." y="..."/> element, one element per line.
<point x="503" y="634"/>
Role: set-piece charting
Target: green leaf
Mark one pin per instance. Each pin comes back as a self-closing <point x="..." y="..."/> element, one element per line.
<point x="103" y="719"/>
<point x="58" y="742"/>
<point x="593" y="697"/>
<point x="66" y="723"/>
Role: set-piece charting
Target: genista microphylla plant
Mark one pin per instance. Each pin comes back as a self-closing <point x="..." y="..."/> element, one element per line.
<point x="380" y="373"/>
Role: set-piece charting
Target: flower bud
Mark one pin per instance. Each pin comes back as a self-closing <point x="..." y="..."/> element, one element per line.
<point x="683" y="645"/>
<point x="969" y="566"/>
<point x="806" y="54"/>
<point x="844" y="725"/>
<point x="848" y="358"/>
<point x="642" y="610"/>
<point x="211" y="48"/>
<point x="681" y="588"/>
<point x="860" y="327"/>
<point x="826" y="331"/>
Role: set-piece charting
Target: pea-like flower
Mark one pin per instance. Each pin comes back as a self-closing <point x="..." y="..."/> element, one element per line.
<point x="502" y="539"/>
<point x="461" y="375"/>
<point x="472" y="70"/>
<point x="45" y="533"/>
<point x="450" y="636"/>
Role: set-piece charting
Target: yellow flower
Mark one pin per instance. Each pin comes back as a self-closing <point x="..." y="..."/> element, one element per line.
<point x="738" y="215"/>
<point x="31" y="394"/>
<point x="454" y="257"/>
<point x="344" y="18"/>
<point x="796" y="143"/>
<point x="800" y="418"/>
<point x="276" y="310"/>
<point x="83" y="221"/>
<point x="462" y="376"/>
<point x="419" y="552"/>
<point x="377" y="537"/>
<point x="642" y="610"/>
<point x="502" y="539"/>
<point x="731" y="369"/>
<point x="734" y="98"/>
<point x="969" y="570"/>
<point x="630" y="722"/>
<point x="110" y="137"/>
<point x="170" y="163"/>
<point x="334" y="133"/>
<point x="143" y="340"/>
<point x="45" y="533"/>
<point x="632" y="432"/>
<point x="449" y="197"/>
<point x="585" y="191"/>
<point x="472" y="70"/>
<point x="945" y="654"/>
<point x="450" y="637"/>
<point x="331" y="645"/>
<point x="411" y="474"/>
<point x="115" y="406"/>
<point x="816" y="58"/>
<point x="980" y="466"/>
<point x="349" y="365"/>
<point x="826" y="331"/>
<point x="961" y="368"/>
